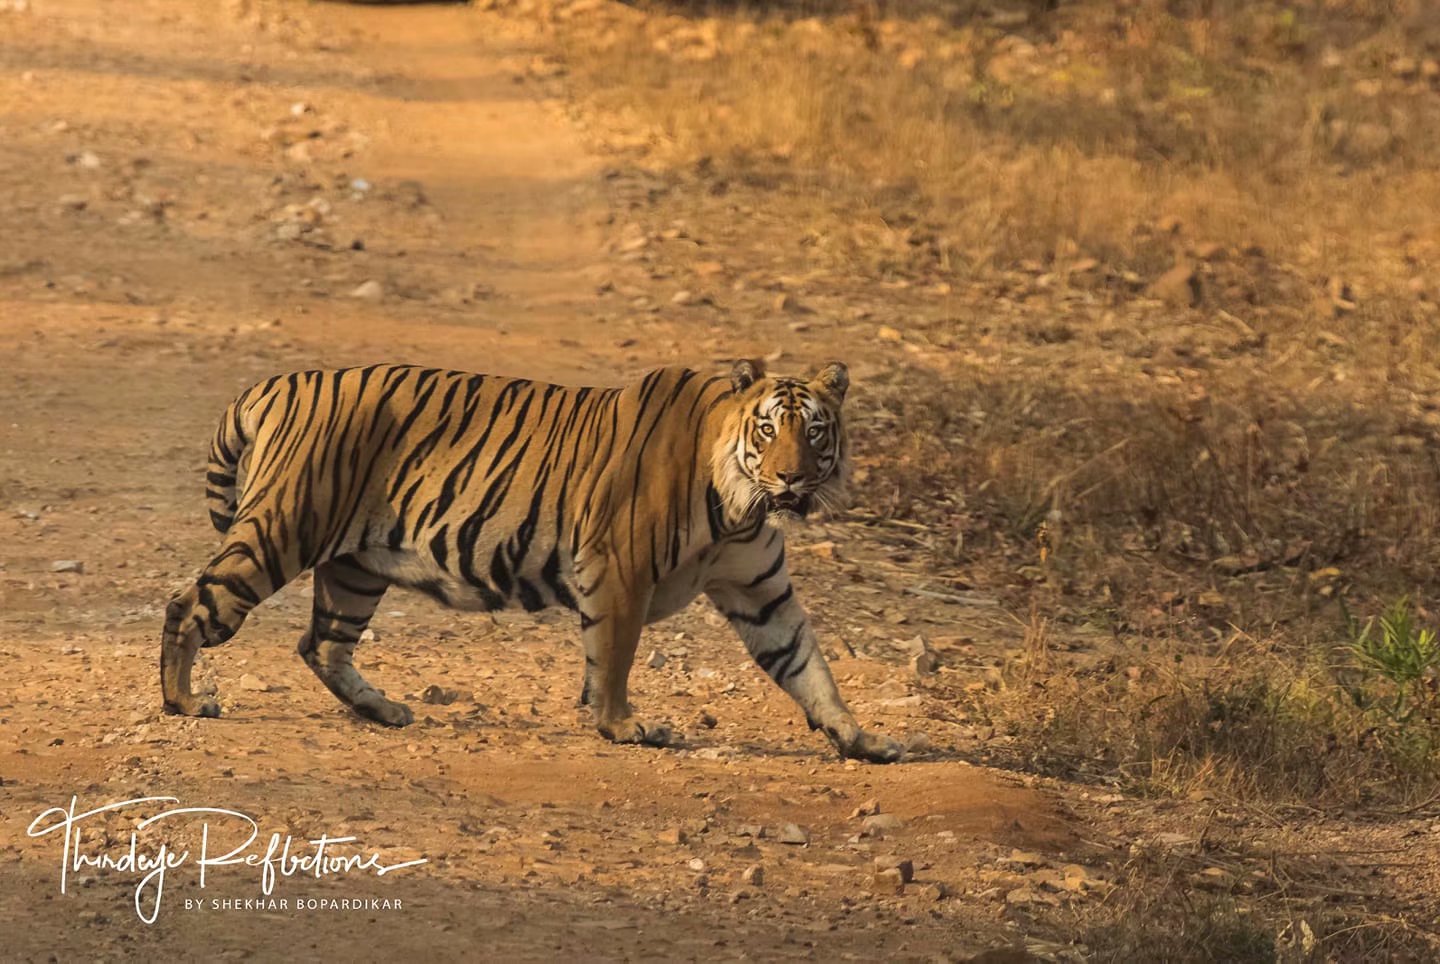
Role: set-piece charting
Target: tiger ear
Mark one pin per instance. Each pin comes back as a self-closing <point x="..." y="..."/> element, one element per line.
<point x="746" y="373"/>
<point x="834" y="378"/>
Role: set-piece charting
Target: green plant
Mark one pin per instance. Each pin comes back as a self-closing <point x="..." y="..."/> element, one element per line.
<point x="1405" y="656"/>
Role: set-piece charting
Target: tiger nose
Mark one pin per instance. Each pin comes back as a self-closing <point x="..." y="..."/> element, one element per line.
<point x="789" y="478"/>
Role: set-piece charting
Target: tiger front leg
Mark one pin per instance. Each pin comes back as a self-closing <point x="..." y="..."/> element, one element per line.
<point x="778" y="636"/>
<point x="611" y="631"/>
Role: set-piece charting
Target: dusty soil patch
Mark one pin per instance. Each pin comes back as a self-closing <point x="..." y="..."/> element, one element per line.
<point x="197" y="199"/>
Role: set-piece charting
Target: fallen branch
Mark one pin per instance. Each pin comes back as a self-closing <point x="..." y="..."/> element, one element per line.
<point x="958" y="599"/>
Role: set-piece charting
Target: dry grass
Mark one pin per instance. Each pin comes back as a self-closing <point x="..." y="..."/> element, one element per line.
<point x="1205" y="479"/>
<point x="1280" y="125"/>
<point x="1255" y="489"/>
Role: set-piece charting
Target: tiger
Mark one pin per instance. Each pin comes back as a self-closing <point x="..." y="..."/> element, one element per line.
<point x="487" y="492"/>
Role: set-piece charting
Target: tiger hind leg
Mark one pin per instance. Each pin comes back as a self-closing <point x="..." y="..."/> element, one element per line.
<point x="346" y="596"/>
<point x="207" y="614"/>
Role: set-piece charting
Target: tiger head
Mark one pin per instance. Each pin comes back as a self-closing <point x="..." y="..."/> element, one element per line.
<point x="782" y="449"/>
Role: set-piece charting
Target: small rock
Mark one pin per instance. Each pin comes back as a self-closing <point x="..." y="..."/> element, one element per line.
<point x="793" y="834"/>
<point x="903" y="702"/>
<point x="825" y="550"/>
<point x="696" y="864"/>
<point x="67" y="565"/>
<point x="914" y="646"/>
<point x="881" y="822"/>
<point x="369" y="290"/>
<point x="1174" y="840"/>
<point x="683" y="298"/>
<point x="656" y="659"/>
<point x="924" y="664"/>
<point x="439" y="695"/>
<point x="706" y="720"/>
<point x="754" y="875"/>
<point x="867" y="809"/>
<point x="1047" y="878"/>
<point x="1024" y="858"/>
<point x="886" y="333"/>
<point x="1074" y="877"/>
<point x="253" y="683"/>
<point x="750" y="830"/>
<point x="888" y="882"/>
<point x="935" y="891"/>
<point x="1021" y="896"/>
<point x="671" y="835"/>
<point x="902" y="864"/>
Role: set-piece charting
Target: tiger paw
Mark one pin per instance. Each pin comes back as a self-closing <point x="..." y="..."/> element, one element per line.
<point x="203" y="706"/>
<point x="873" y="748"/>
<point x="373" y="706"/>
<point x="631" y="730"/>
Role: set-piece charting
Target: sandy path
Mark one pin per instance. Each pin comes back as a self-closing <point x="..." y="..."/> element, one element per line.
<point x="139" y="290"/>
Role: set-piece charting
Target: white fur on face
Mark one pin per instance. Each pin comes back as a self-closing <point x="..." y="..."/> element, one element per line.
<point x="736" y="464"/>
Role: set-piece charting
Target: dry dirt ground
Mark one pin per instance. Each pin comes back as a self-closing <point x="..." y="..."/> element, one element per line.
<point x="195" y="196"/>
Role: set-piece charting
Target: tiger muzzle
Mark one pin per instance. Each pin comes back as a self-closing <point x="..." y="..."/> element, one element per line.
<point x="794" y="503"/>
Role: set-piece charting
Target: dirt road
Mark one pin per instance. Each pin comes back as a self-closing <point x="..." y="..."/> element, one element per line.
<point x="194" y="198"/>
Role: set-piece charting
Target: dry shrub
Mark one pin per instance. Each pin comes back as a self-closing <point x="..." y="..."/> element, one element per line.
<point x="1160" y="915"/>
<point x="1175" y="525"/>
<point x="1296" y="127"/>
<point x="1253" y="727"/>
<point x="1279" y="481"/>
<point x="1278" y="451"/>
<point x="1178" y="927"/>
<point x="1335" y="727"/>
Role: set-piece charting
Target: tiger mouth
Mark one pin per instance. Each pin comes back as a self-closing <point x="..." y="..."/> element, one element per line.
<point x="789" y="503"/>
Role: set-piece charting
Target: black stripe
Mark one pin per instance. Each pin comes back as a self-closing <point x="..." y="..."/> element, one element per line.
<point x="334" y="617"/>
<point x="766" y="611"/>
<point x="775" y="661"/>
<point x="775" y="567"/>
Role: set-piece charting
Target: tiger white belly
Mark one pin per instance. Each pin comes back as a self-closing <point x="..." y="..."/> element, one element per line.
<point x="420" y="571"/>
